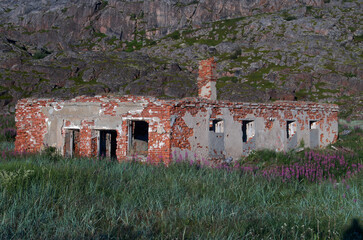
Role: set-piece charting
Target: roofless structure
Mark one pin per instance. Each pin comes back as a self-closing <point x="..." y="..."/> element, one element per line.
<point x="202" y="127"/>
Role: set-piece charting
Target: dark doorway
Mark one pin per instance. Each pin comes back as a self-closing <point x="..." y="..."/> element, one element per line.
<point x="138" y="137"/>
<point x="71" y="143"/>
<point x="107" y="144"/>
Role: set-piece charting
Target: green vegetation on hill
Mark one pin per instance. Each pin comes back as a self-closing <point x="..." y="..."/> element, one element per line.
<point x="307" y="53"/>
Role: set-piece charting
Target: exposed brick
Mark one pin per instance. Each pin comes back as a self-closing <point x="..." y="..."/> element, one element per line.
<point x="207" y="79"/>
<point x="173" y="124"/>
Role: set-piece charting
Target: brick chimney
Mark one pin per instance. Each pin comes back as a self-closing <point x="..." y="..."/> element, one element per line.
<point x="207" y="79"/>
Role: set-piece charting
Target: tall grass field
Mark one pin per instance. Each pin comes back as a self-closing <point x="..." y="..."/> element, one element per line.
<point x="296" y="195"/>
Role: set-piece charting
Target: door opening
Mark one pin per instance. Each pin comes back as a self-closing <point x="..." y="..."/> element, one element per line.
<point x="314" y="134"/>
<point x="71" y="143"/>
<point x="216" y="138"/>
<point x="107" y="143"/>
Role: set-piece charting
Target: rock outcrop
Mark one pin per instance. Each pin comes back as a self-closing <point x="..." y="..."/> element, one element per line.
<point x="60" y="23"/>
<point x="307" y="50"/>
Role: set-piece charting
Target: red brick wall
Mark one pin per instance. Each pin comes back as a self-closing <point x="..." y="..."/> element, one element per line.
<point x="122" y="141"/>
<point x="31" y="125"/>
<point x="85" y="143"/>
<point x="157" y="115"/>
<point x="31" y="121"/>
<point x="76" y="144"/>
<point x="207" y="74"/>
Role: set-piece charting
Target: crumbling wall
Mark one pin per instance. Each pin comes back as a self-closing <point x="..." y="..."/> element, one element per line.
<point x="31" y="125"/>
<point x="43" y="122"/>
<point x="191" y="128"/>
<point x="207" y="79"/>
<point x="183" y="126"/>
<point x="157" y="115"/>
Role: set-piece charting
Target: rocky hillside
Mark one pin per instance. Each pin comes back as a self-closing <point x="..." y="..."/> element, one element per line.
<point x="307" y="50"/>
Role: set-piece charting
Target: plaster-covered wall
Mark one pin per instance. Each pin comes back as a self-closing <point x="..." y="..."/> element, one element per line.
<point x="190" y="133"/>
<point x="183" y="126"/>
<point x="44" y="122"/>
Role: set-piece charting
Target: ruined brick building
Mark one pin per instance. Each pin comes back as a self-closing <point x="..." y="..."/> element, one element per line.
<point x="203" y="127"/>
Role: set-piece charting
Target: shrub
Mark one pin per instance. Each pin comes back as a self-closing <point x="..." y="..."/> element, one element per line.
<point x="7" y="128"/>
<point x="41" y="53"/>
<point x="288" y="17"/>
<point x="9" y="134"/>
<point x="236" y="54"/>
<point x="174" y="35"/>
<point x="52" y="154"/>
<point x="358" y="38"/>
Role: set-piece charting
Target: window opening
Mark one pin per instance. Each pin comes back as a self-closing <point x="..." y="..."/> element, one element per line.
<point x="314" y="134"/>
<point x="290" y="128"/>
<point x="138" y="137"/>
<point x="313" y="124"/>
<point x="248" y="130"/>
<point x="216" y="125"/>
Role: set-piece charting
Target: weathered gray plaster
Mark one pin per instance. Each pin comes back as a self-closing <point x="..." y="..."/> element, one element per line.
<point x="79" y="110"/>
<point x="292" y="142"/>
<point x="233" y="134"/>
<point x="303" y="131"/>
<point x="216" y="145"/>
<point x="209" y="90"/>
<point x="273" y="137"/>
<point x="53" y="137"/>
<point x="128" y="108"/>
<point x="200" y="140"/>
<point x="107" y="122"/>
<point x="76" y="112"/>
<point x="314" y="138"/>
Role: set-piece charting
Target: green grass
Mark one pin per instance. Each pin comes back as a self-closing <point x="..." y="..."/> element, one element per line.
<point x="219" y="32"/>
<point x="302" y="94"/>
<point x="111" y="41"/>
<point x="351" y="143"/>
<point x="99" y="35"/>
<point x="80" y="198"/>
<point x="223" y="81"/>
<point x="349" y="146"/>
<point x="46" y="196"/>
<point x="133" y="45"/>
<point x="174" y="35"/>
